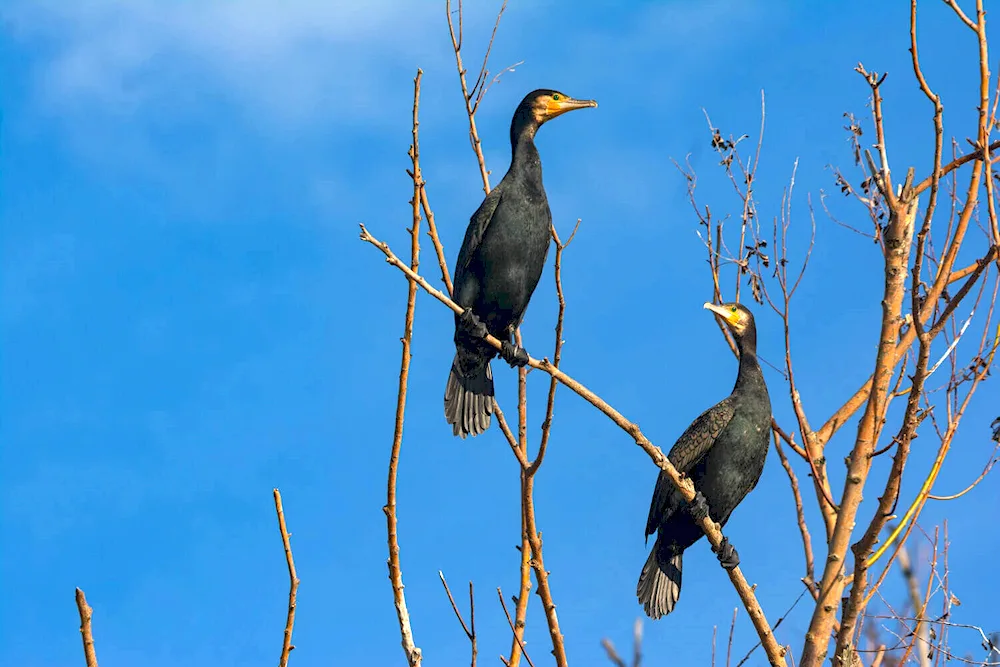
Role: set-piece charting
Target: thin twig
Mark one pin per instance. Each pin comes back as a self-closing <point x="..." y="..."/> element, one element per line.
<point x="729" y="644"/>
<point x="989" y="466"/>
<point x="776" y="625"/>
<point x="86" y="612"/>
<point x="480" y="87"/>
<point x="922" y="631"/>
<point x="470" y="632"/>
<point x="511" y="623"/>
<point x="472" y="624"/>
<point x="636" y="641"/>
<point x="799" y="510"/>
<point x="613" y="656"/>
<point x="436" y="240"/>
<point x="470" y="111"/>
<point x="958" y="10"/>
<point x="293" y="580"/>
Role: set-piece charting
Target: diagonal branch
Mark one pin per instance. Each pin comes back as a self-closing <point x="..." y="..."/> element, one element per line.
<point x="774" y="652"/>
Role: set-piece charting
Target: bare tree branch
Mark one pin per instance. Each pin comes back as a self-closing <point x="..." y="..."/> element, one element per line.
<point x="470" y="630"/>
<point x="293" y="581"/>
<point x="414" y="655"/>
<point x="511" y="623"/>
<point x="799" y="512"/>
<point x="86" y="612"/>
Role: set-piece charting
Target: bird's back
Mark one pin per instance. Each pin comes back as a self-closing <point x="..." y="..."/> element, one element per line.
<point x="726" y="473"/>
<point x="733" y="466"/>
<point x="511" y="255"/>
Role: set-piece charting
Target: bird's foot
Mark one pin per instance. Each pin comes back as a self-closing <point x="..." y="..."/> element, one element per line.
<point x="514" y="354"/>
<point x="698" y="507"/>
<point x="727" y="554"/>
<point x="473" y="324"/>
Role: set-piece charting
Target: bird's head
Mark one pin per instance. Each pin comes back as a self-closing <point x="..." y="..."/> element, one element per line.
<point x="737" y="317"/>
<point x="544" y="104"/>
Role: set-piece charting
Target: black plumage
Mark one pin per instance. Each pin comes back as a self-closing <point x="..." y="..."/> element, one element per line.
<point x="723" y="452"/>
<point x="499" y="265"/>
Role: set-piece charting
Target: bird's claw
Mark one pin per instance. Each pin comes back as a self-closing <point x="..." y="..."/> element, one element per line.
<point x="698" y="507"/>
<point x="473" y="324"/>
<point x="513" y="354"/>
<point x="726" y="553"/>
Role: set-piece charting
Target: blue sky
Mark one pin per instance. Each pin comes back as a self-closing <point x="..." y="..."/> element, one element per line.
<point x="189" y="319"/>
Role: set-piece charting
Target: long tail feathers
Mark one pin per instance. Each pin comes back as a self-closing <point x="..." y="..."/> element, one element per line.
<point x="659" y="584"/>
<point x="468" y="399"/>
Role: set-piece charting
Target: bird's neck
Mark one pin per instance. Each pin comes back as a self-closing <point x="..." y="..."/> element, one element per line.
<point x="524" y="156"/>
<point x="750" y="376"/>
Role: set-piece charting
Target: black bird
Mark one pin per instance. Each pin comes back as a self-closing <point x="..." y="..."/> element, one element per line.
<point x="723" y="453"/>
<point x="499" y="266"/>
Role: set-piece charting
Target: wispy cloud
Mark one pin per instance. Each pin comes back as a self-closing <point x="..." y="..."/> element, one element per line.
<point x="293" y="61"/>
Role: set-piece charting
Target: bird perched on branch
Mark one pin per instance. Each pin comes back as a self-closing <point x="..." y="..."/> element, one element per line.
<point x="723" y="453"/>
<point x="499" y="266"/>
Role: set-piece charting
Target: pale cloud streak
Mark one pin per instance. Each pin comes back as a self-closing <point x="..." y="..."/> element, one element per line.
<point x="293" y="61"/>
<point x="300" y="61"/>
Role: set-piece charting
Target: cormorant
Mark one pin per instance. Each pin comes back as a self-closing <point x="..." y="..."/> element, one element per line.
<point x="499" y="266"/>
<point x="723" y="453"/>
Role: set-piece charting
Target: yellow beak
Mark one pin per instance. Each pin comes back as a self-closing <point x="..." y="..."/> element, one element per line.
<point x="568" y="104"/>
<point x="722" y="312"/>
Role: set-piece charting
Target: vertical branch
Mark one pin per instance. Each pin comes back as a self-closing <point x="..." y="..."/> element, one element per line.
<point x="523" y="594"/>
<point x="898" y="235"/>
<point x="472" y="100"/>
<point x="986" y="120"/>
<point x="472" y="623"/>
<point x="920" y="613"/>
<point x="86" y="612"/>
<point x="413" y="653"/>
<point x="922" y="630"/>
<point x="813" y="451"/>
<point x="911" y="417"/>
<point x="293" y="581"/>
<point x="557" y="354"/>
<point x="530" y="533"/>
<point x="544" y="591"/>
<point x="526" y="488"/>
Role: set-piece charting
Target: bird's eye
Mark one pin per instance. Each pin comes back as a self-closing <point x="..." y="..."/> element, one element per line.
<point x="555" y="97"/>
<point x="732" y="309"/>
